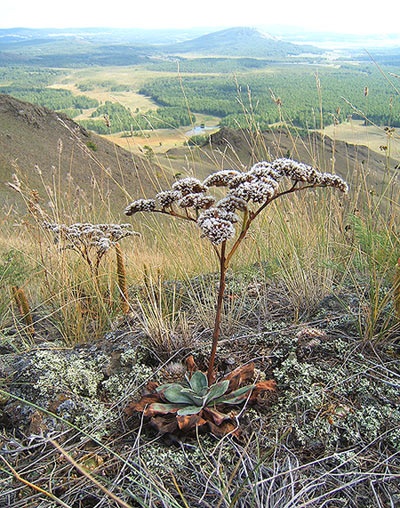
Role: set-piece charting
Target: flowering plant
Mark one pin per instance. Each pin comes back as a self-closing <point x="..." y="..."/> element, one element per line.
<point x="226" y="222"/>
<point x="92" y="242"/>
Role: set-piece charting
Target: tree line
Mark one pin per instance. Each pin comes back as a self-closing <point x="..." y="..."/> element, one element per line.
<point x="307" y="97"/>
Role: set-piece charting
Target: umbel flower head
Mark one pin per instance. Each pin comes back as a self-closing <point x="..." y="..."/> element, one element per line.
<point x="100" y="237"/>
<point x="248" y="191"/>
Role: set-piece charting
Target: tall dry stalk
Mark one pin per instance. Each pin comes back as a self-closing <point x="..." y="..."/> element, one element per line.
<point x="121" y="277"/>
<point x="396" y="290"/>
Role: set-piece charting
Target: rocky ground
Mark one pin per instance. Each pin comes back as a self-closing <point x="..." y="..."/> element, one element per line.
<point x="329" y="436"/>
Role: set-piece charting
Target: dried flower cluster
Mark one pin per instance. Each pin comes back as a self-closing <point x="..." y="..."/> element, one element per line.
<point x="101" y="237"/>
<point x="189" y="198"/>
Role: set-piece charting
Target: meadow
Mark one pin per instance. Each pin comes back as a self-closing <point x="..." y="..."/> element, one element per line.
<point x="312" y="301"/>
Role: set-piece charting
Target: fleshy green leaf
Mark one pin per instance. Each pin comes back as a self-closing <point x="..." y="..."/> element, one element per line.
<point x="176" y="393"/>
<point x="198" y="382"/>
<point x="189" y="410"/>
<point x="217" y="390"/>
<point x="236" y="397"/>
<point x="162" y="388"/>
<point x="195" y="399"/>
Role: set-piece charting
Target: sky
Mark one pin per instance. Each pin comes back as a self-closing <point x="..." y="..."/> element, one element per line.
<point x="347" y="16"/>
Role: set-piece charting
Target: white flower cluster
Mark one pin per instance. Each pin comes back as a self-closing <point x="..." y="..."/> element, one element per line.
<point x="101" y="237"/>
<point x="196" y="201"/>
<point x="217" y="224"/>
<point x="168" y="198"/>
<point x="186" y="193"/>
<point x="141" y="205"/>
<point x="189" y="186"/>
<point x="300" y="172"/>
<point x="220" y="178"/>
<point x="231" y="203"/>
<point x="257" y="185"/>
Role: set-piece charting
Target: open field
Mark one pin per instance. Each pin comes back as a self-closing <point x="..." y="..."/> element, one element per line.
<point x="100" y="81"/>
<point x="374" y="137"/>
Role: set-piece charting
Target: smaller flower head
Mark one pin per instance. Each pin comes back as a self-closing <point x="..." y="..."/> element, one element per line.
<point x="217" y="230"/>
<point x="334" y="181"/>
<point x="217" y="224"/>
<point x="217" y="212"/>
<point x="255" y="190"/>
<point x="300" y="172"/>
<point x="231" y="203"/>
<point x="266" y="172"/>
<point x="220" y="178"/>
<point x="189" y="186"/>
<point x="197" y="201"/>
<point x="141" y="205"/>
<point x="168" y="198"/>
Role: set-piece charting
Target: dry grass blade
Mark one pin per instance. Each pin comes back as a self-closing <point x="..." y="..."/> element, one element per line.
<point x="37" y="488"/>
<point x="85" y="473"/>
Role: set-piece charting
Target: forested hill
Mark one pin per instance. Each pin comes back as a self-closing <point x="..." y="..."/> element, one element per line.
<point x="242" y="41"/>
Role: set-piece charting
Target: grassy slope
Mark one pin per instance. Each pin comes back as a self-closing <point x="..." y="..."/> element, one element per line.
<point x="33" y="137"/>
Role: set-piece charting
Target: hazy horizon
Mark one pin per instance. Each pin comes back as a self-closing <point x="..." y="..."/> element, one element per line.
<point x="342" y="17"/>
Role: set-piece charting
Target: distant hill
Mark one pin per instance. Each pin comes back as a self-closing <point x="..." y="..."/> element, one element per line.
<point x="41" y="145"/>
<point x="102" y="46"/>
<point x="242" y="41"/>
<point x="234" y="148"/>
<point x="44" y="147"/>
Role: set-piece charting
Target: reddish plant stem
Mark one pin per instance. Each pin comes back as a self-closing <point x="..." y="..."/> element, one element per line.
<point x="218" y="314"/>
<point x="224" y="260"/>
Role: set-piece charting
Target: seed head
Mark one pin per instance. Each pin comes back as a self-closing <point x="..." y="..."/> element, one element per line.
<point x="220" y="178"/>
<point x="141" y="205"/>
<point x="300" y="172"/>
<point x="217" y="224"/>
<point x="255" y="190"/>
<point x="189" y="186"/>
<point x="168" y="198"/>
<point x="217" y="230"/>
<point x="231" y="203"/>
<point x="197" y="201"/>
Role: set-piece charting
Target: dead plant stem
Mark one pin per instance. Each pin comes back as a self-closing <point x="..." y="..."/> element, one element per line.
<point x="84" y="472"/>
<point x="33" y="485"/>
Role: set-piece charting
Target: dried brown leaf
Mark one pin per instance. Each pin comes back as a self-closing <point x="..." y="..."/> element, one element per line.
<point x="189" y="422"/>
<point x="164" y="424"/>
<point x="215" y="416"/>
<point x="141" y="404"/>
<point x="240" y="376"/>
<point x="190" y="364"/>
<point x="262" y="386"/>
<point x="227" y="427"/>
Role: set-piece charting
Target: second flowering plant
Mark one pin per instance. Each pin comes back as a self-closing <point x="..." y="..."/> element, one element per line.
<point x="226" y="222"/>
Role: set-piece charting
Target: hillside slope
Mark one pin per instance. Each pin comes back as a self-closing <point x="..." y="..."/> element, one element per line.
<point x="233" y="148"/>
<point x="40" y="145"/>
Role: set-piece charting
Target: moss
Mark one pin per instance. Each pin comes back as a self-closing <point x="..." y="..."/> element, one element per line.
<point x="333" y="401"/>
<point x="73" y="373"/>
<point x="121" y="381"/>
<point x="74" y="385"/>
